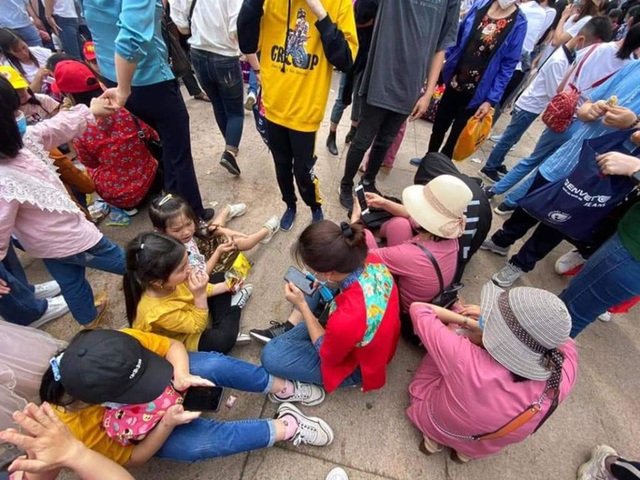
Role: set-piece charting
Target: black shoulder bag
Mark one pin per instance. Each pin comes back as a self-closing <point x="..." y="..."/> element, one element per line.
<point x="178" y="59"/>
<point x="154" y="146"/>
<point x="446" y="296"/>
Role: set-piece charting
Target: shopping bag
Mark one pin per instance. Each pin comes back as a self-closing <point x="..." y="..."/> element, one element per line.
<point x="576" y="205"/>
<point x="474" y="134"/>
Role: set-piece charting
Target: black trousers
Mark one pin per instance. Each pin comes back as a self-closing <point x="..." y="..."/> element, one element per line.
<point x="224" y="322"/>
<point x="377" y="126"/>
<point x="452" y="112"/>
<point x="161" y="106"/>
<point x="189" y="79"/>
<point x="294" y="156"/>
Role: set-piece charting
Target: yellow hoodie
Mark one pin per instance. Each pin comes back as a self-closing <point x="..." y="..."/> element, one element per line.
<point x="296" y="97"/>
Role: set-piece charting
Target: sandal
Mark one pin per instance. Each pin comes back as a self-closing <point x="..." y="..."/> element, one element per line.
<point x="429" y="447"/>
<point x="459" y="458"/>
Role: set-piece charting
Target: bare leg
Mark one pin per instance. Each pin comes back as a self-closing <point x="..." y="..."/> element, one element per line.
<point x="222" y="218"/>
<point x="248" y="242"/>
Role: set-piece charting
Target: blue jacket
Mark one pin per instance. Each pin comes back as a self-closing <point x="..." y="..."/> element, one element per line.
<point x="502" y="63"/>
<point x="132" y="29"/>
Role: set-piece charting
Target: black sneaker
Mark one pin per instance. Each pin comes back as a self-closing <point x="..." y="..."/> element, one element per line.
<point x="488" y="191"/>
<point x="208" y="214"/>
<point x="268" y="334"/>
<point x="331" y="144"/>
<point x="228" y="161"/>
<point x="502" y="170"/>
<point x="370" y="187"/>
<point x="350" y="134"/>
<point x="346" y="199"/>
<point x="504" y="209"/>
<point x="491" y="176"/>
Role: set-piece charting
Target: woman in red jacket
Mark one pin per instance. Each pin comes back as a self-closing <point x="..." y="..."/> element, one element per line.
<point x="361" y="334"/>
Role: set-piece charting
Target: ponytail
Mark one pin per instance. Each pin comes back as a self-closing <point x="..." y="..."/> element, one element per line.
<point x="325" y="247"/>
<point x="630" y="43"/>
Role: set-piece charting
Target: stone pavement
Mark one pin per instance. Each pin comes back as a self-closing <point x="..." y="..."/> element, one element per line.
<point x="373" y="438"/>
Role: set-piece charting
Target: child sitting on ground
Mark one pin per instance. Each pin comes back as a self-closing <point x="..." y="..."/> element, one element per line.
<point x="173" y="216"/>
<point x="168" y="296"/>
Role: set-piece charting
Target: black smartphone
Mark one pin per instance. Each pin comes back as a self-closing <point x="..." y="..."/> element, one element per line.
<point x="300" y="280"/>
<point x="362" y="200"/>
<point x="203" y="399"/>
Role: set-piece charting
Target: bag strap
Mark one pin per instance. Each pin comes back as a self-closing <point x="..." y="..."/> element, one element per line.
<point x="584" y="59"/>
<point x="436" y="267"/>
<point x="136" y="122"/>
<point x="191" y="9"/>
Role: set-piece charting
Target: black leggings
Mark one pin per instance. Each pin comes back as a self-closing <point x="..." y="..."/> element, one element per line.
<point x="452" y="112"/>
<point x="224" y="322"/>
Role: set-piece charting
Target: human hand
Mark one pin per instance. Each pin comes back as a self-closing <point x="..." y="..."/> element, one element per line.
<point x="482" y="111"/>
<point x="619" y="117"/>
<point x="182" y="383"/>
<point x="38" y="23"/>
<point x="226" y="247"/>
<point x="374" y="200"/>
<point x="116" y="97"/>
<point x="177" y="415"/>
<point x="4" y="288"/>
<point x="100" y="107"/>
<point x="421" y="106"/>
<point x="197" y="282"/>
<point x="44" y="36"/>
<point x="472" y="311"/>
<point x="616" y="163"/>
<point x="258" y="79"/>
<point x="293" y="295"/>
<point x="595" y="111"/>
<point x="54" y="26"/>
<point x="49" y="443"/>
<point x="356" y="211"/>
<point x="635" y="137"/>
<point x="42" y="72"/>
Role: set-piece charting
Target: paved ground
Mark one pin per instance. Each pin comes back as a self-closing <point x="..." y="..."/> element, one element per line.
<point x="374" y="440"/>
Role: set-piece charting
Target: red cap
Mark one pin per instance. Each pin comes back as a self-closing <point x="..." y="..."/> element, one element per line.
<point x="89" y="51"/>
<point x="72" y="76"/>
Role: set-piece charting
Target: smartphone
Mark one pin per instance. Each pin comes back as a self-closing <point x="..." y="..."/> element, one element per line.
<point x="203" y="399"/>
<point x="362" y="200"/>
<point x="8" y="453"/>
<point x="300" y="280"/>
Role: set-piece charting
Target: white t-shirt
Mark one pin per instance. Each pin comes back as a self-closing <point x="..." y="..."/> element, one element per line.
<point x="536" y="17"/>
<point x="213" y="24"/>
<point x="42" y="55"/>
<point x="573" y="26"/>
<point x="543" y="88"/>
<point x="550" y="17"/>
<point x="65" y="8"/>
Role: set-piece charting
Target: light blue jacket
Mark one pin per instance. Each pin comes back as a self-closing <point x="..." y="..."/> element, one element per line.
<point x="132" y="29"/>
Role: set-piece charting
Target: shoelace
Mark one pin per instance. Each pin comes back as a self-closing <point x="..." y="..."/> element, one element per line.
<point x="302" y="391"/>
<point x="305" y="434"/>
<point x="511" y="270"/>
<point x="277" y="329"/>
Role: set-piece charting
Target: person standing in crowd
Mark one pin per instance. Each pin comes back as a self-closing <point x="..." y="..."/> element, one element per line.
<point x="478" y="68"/>
<point x="319" y="35"/>
<point x="532" y="103"/>
<point x="29" y="61"/>
<point x="63" y="20"/>
<point x="350" y="81"/>
<point x="215" y="55"/>
<point x="407" y="53"/>
<point x="19" y="16"/>
<point x="134" y="63"/>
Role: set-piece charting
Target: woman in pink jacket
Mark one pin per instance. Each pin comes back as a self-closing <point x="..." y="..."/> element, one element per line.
<point x="36" y="209"/>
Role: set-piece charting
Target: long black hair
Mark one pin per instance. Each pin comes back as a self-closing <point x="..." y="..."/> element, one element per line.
<point x="149" y="257"/>
<point x="10" y="138"/>
<point x="630" y="43"/>
<point x="8" y="41"/>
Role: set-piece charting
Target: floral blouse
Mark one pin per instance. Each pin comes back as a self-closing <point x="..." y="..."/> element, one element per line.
<point x="117" y="159"/>
<point x="487" y="36"/>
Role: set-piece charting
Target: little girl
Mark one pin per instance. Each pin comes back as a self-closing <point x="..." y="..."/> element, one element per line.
<point x="173" y="216"/>
<point x="165" y="295"/>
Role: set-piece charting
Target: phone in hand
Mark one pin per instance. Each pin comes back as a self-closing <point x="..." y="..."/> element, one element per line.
<point x="362" y="200"/>
<point x="300" y="280"/>
<point x="203" y="399"/>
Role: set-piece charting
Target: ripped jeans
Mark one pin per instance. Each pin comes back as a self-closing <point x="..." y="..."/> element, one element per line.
<point x="69" y="272"/>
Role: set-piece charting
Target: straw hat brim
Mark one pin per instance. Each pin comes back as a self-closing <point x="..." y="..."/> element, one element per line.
<point x="423" y="213"/>
<point x="503" y="345"/>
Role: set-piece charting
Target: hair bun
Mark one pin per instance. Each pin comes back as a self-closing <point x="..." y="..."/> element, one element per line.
<point x="346" y="230"/>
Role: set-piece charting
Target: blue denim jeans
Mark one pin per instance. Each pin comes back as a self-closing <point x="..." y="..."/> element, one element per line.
<point x="221" y="78"/>
<point x="610" y="276"/>
<point x="339" y="107"/>
<point x="548" y="143"/>
<point x="69" y="35"/>
<point x="20" y="306"/>
<point x="69" y="272"/>
<point x="30" y="35"/>
<point x="208" y="438"/>
<point x="520" y="121"/>
<point x="293" y="356"/>
<point x="253" y="82"/>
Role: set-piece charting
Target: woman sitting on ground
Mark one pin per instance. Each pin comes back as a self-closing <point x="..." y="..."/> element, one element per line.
<point x="431" y="218"/>
<point x="29" y="61"/>
<point x="508" y="355"/>
<point x="362" y="328"/>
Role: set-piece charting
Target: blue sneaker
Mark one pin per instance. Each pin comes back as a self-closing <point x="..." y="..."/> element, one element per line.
<point x="316" y="215"/>
<point x="416" y="161"/>
<point x="287" y="220"/>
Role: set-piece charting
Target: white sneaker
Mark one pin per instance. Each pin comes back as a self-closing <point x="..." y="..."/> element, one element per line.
<point x="337" y="474"/>
<point x="568" y="263"/>
<point x="250" y="101"/>
<point x="311" y="430"/>
<point x="605" y="317"/>
<point x="495" y="138"/>
<point x="307" y="394"/>
<point x="236" y="210"/>
<point x="47" y="289"/>
<point x="507" y="276"/>
<point x="594" y="469"/>
<point x="56" y="308"/>
<point x="241" y="297"/>
<point x="243" y="339"/>
<point x="273" y="225"/>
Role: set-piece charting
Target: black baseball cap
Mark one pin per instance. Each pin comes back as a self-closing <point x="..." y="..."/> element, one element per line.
<point x="110" y="366"/>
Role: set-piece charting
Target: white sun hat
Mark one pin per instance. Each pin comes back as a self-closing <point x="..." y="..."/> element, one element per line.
<point x="439" y="206"/>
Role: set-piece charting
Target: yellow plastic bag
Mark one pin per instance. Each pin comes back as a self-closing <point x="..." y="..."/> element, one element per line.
<point x="474" y="134"/>
<point x="239" y="270"/>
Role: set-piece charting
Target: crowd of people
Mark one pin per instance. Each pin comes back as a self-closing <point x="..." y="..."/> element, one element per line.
<point x="91" y="107"/>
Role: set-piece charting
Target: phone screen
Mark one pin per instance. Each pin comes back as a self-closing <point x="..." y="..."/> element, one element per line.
<point x="300" y="280"/>
<point x="203" y="399"/>
<point x="362" y="200"/>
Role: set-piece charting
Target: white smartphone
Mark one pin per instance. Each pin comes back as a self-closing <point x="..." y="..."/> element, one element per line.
<point x="362" y="200"/>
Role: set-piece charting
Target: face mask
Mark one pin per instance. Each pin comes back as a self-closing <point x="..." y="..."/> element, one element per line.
<point x="21" y="121"/>
<point x="505" y="4"/>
